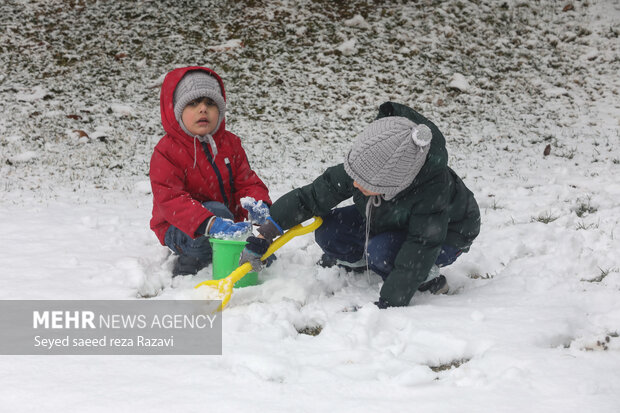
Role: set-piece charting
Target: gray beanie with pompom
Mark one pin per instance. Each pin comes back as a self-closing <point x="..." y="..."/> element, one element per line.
<point x="387" y="156"/>
<point x="197" y="84"/>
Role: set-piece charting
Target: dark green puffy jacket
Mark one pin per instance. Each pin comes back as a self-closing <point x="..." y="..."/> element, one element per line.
<point x="436" y="209"/>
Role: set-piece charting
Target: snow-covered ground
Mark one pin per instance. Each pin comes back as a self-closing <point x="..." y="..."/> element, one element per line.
<point x="532" y="322"/>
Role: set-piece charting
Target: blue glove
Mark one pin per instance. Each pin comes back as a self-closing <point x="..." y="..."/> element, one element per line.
<point x="258" y="211"/>
<point x="227" y="229"/>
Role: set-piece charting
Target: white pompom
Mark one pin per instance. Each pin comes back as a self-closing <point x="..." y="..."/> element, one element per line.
<point x="421" y="135"/>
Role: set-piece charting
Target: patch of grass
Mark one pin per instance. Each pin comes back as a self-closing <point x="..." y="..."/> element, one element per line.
<point x="584" y="207"/>
<point x="495" y="206"/>
<point x="476" y="276"/>
<point x="310" y="330"/>
<point x="603" y="273"/>
<point x="568" y="154"/>
<point x="545" y="218"/>
<point x="448" y="366"/>
<point x="583" y="225"/>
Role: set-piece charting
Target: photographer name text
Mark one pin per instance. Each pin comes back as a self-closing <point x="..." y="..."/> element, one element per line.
<point x="116" y="342"/>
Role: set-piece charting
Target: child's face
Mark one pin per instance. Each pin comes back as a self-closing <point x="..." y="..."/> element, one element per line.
<point x="200" y="116"/>
<point x="364" y="190"/>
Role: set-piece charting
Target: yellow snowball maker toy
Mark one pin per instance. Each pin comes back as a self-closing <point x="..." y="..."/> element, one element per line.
<point x="225" y="285"/>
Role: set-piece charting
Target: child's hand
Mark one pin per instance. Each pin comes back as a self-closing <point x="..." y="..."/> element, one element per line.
<point x="255" y="248"/>
<point x="382" y="304"/>
<point x="227" y="229"/>
<point x="258" y="212"/>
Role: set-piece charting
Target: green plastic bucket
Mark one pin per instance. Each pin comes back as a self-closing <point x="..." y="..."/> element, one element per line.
<point x="226" y="255"/>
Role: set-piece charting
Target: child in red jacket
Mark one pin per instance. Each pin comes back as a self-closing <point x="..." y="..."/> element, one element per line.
<point x="199" y="171"/>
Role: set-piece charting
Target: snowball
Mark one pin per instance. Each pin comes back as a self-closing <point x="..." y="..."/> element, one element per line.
<point x="122" y="110"/>
<point x="357" y="21"/>
<point x="229" y="45"/>
<point x="257" y="215"/>
<point x="458" y="82"/>
<point x="348" y="47"/>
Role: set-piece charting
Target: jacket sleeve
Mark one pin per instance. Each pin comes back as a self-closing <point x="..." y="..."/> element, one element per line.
<point x="246" y="183"/>
<point x="170" y="197"/>
<point x="316" y="198"/>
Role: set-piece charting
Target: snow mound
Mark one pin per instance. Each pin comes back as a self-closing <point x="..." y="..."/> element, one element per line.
<point x="458" y="82"/>
<point x="348" y="47"/>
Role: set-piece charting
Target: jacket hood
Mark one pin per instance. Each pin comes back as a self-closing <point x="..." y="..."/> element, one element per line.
<point x="168" y="119"/>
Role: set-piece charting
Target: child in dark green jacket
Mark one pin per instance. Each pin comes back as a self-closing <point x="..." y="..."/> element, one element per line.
<point x="411" y="212"/>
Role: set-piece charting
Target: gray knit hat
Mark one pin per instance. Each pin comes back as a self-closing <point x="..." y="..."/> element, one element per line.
<point x="194" y="85"/>
<point x="388" y="154"/>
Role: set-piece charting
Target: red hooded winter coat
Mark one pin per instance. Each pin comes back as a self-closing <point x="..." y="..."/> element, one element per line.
<point x="183" y="177"/>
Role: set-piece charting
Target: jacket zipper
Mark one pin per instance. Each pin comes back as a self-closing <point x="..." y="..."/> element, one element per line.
<point x="231" y="180"/>
<point x="217" y="173"/>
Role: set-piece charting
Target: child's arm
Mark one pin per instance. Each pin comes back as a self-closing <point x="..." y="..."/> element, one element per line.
<point x="246" y="181"/>
<point x="314" y="199"/>
<point x="171" y="198"/>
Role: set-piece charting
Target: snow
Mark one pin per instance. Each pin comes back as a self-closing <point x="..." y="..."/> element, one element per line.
<point x="258" y="212"/>
<point x="228" y="45"/>
<point x="357" y="21"/>
<point x="458" y="82"/>
<point x="531" y="323"/>
<point x="24" y="157"/>
<point x="555" y="92"/>
<point x="240" y="235"/>
<point x="348" y="48"/>
<point x="122" y="110"/>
